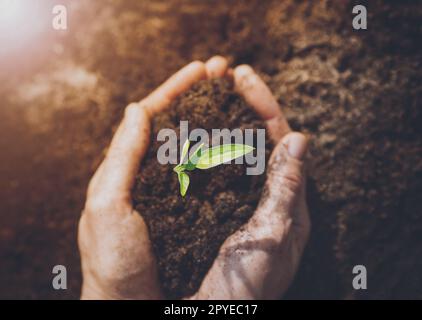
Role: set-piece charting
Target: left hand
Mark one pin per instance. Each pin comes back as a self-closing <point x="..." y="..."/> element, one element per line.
<point x="116" y="252"/>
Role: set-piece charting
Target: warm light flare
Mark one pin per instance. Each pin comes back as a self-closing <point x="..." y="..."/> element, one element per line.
<point x="12" y="14"/>
<point x="9" y="9"/>
<point x="20" y="22"/>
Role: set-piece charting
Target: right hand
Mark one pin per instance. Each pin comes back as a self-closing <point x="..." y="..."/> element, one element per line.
<point x="261" y="259"/>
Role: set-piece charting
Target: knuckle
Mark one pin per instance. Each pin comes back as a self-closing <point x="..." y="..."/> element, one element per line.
<point x="247" y="82"/>
<point x="108" y="204"/>
<point x="97" y="203"/>
<point x="197" y="64"/>
<point x="244" y="69"/>
<point x="218" y="57"/>
<point x="285" y="178"/>
<point x="291" y="181"/>
<point x="285" y="172"/>
<point x="219" y="62"/>
<point x="132" y="110"/>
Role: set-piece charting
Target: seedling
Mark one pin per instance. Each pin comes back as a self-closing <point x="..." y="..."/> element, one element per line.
<point x="206" y="159"/>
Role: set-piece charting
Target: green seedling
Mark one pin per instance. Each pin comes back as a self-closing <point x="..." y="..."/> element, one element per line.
<point x="206" y="159"/>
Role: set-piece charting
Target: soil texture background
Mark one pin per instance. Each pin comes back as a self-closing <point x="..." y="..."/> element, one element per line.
<point x="357" y="94"/>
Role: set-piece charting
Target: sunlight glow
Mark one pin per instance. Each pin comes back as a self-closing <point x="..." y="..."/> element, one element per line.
<point x="9" y="8"/>
<point x="20" y="22"/>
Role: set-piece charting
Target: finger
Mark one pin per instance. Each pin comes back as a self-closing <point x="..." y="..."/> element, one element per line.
<point x="283" y="191"/>
<point x="258" y="95"/>
<point x="181" y="81"/>
<point x="216" y="67"/>
<point x="256" y="92"/>
<point x="115" y="177"/>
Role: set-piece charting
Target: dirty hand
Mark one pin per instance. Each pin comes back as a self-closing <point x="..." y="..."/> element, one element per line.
<point x="260" y="260"/>
<point x="116" y="253"/>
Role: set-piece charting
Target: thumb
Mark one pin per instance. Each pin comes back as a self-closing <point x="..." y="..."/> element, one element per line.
<point x="285" y="180"/>
<point x="260" y="259"/>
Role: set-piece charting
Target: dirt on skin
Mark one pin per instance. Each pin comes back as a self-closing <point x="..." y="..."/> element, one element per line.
<point x="356" y="94"/>
<point x="187" y="232"/>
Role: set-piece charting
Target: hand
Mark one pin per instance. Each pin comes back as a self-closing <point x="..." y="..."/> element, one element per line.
<point x="116" y="253"/>
<point x="260" y="260"/>
<point x="117" y="260"/>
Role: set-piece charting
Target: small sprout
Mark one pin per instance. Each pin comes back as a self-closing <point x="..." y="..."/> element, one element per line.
<point x="206" y="159"/>
<point x="184" y="181"/>
<point x="185" y="150"/>
<point x="193" y="160"/>
<point x="221" y="154"/>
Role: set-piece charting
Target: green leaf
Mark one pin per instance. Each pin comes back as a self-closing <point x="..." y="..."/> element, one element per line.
<point x="193" y="159"/>
<point x="195" y="156"/>
<point x="178" y="168"/>
<point x="221" y="154"/>
<point x="184" y="182"/>
<point x="184" y="150"/>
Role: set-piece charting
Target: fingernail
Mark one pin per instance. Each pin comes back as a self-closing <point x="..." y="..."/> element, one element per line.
<point x="296" y="144"/>
<point x="243" y="70"/>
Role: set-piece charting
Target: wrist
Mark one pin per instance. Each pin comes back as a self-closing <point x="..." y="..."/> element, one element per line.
<point x="93" y="291"/>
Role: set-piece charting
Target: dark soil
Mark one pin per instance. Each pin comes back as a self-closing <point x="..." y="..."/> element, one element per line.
<point x="357" y="94"/>
<point x="188" y="232"/>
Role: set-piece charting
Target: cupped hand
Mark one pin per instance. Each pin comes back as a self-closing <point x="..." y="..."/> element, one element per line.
<point x="260" y="260"/>
<point x="116" y="253"/>
<point x="257" y="262"/>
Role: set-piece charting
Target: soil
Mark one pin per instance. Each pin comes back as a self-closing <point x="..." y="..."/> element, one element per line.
<point x="188" y="232"/>
<point x="356" y="94"/>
